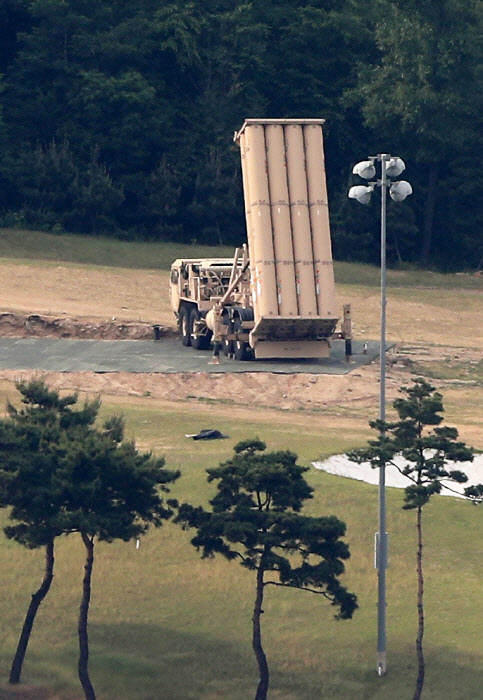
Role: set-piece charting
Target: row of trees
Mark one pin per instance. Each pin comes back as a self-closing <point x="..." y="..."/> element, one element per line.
<point x="117" y="117"/>
<point x="62" y="475"/>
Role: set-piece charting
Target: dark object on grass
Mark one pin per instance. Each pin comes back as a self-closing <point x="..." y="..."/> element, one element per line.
<point x="208" y="434"/>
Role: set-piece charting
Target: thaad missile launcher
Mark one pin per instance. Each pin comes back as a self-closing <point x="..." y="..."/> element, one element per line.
<point x="276" y="297"/>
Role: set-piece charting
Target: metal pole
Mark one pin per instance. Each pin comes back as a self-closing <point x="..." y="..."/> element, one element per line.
<point x="381" y="541"/>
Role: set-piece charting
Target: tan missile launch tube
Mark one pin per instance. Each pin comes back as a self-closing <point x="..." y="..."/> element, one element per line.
<point x="248" y="216"/>
<point x="299" y="210"/>
<point x="260" y="216"/>
<point x="281" y="225"/>
<point x="319" y="220"/>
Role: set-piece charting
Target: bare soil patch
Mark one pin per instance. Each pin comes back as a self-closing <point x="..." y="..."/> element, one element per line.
<point x="82" y="291"/>
<point x="15" y="325"/>
<point x="46" y="299"/>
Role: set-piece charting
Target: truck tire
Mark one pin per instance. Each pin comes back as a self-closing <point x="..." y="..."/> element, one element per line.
<point x="242" y="349"/>
<point x="228" y="347"/>
<point x="199" y="342"/>
<point x="184" y="326"/>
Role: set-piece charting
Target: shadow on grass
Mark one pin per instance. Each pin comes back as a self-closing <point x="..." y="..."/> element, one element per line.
<point x="449" y="674"/>
<point x="25" y="692"/>
<point x="147" y="662"/>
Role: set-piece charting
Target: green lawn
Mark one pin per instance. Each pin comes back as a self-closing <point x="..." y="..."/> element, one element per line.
<point x="24" y="245"/>
<point x="165" y="624"/>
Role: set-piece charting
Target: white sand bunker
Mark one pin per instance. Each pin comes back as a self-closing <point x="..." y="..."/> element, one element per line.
<point x="342" y="466"/>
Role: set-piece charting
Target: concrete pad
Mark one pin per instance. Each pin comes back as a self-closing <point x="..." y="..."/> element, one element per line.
<point x="165" y="356"/>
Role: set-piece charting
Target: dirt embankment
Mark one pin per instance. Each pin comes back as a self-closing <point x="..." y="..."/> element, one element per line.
<point x="15" y="325"/>
<point x="358" y="389"/>
<point x="286" y="392"/>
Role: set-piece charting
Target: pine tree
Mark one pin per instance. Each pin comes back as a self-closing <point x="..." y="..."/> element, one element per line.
<point x="255" y="518"/>
<point x="112" y="492"/>
<point x="428" y="449"/>
<point x="60" y="474"/>
<point x="32" y="441"/>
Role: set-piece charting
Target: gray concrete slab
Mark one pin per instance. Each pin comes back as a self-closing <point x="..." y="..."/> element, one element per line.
<point x="165" y="356"/>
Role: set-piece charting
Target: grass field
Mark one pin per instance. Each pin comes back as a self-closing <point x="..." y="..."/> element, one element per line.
<point x="166" y="625"/>
<point x="20" y="244"/>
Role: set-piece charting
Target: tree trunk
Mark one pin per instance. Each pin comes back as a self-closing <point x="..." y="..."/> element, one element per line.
<point x="419" y="639"/>
<point x="37" y="598"/>
<point x="262" y="689"/>
<point x="429" y="213"/>
<point x="83" y="618"/>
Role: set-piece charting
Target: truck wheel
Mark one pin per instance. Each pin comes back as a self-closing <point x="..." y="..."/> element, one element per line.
<point x="184" y="326"/>
<point x="199" y="342"/>
<point x="228" y="347"/>
<point x="242" y="350"/>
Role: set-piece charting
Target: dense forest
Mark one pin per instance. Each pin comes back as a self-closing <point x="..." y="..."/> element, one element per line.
<point x="117" y="117"/>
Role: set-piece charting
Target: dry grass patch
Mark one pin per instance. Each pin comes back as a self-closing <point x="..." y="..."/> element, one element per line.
<point x="450" y="318"/>
<point x="86" y="291"/>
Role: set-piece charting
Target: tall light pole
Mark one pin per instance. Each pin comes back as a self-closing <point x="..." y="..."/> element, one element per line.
<point x="390" y="167"/>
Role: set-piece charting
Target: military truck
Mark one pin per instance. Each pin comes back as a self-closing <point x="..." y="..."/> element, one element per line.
<point x="276" y="297"/>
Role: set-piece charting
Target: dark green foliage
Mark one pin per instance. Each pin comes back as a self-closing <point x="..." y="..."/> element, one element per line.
<point x="34" y="442"/>
<point x="427" y="452"/>
<point x="111" y="489"/>
<point x="140" y="101"/>
<point x="475" y="493"/>
<point x="112" y="492"/>
<point x="428" y="449"/>
<point x="61" y="474"/>
<point x="255" y="517"/>
<point x="422" y="94"/>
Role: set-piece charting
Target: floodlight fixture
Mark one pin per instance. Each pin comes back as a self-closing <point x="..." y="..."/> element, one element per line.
<point x="398" y="191"/>
<point x="364" y="169"/>
<point x="362" y="193"/>
<point x="395" y="166"/>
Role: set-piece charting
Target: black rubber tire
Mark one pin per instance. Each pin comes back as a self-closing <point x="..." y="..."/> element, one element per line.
<point x="228" y="347"/>
<point x="200" y="342"/>
<point x="242" y="350"/>
<point x="184" y="326"/>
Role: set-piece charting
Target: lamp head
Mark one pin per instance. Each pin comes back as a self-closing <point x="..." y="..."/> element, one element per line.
<point x="364" y="169"/>
<point x="400" y="190"/>
<point x="395" y="167"/>
<point x="362" y="193"/>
